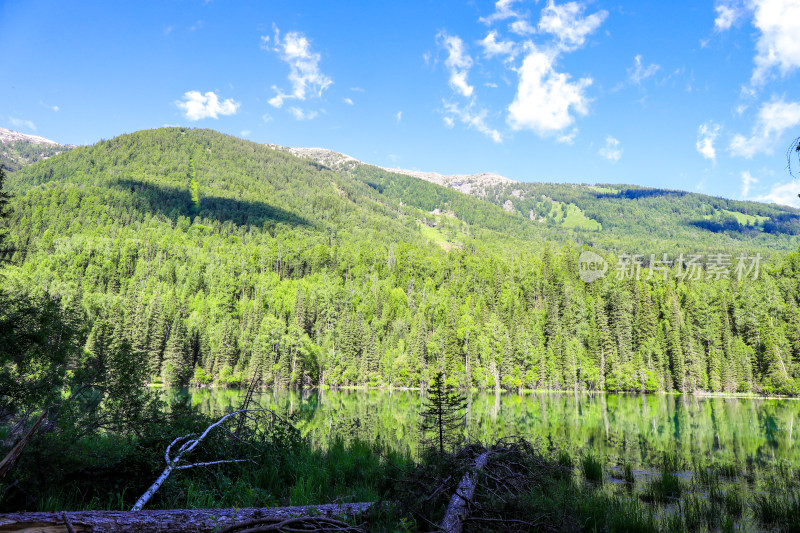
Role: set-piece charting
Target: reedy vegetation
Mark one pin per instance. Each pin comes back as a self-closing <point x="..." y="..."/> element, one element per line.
<point x="213" y="256"/>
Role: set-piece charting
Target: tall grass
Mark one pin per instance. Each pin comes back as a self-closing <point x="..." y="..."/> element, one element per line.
<point x="591" y="467"/>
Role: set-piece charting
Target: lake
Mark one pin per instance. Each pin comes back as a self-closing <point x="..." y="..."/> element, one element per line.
<point x="637" y="429"/>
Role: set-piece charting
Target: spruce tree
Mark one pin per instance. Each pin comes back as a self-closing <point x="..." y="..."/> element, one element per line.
<point x="177" y="356"/>
<point x="4" y="199"/>
<point x="443" y="415"/>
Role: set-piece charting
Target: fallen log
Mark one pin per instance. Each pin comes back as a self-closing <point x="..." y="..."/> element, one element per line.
<point x="457" y="511"/>
<point x="174" y="520"/>
<point x="8" y="462"/>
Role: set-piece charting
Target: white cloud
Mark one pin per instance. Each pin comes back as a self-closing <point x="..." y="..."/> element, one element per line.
<point x="458" y="62"/>
<point x="521" y="27"/>
<point x="399" y="116"/>
<point x="747" y="181"/>
<point x="19" y="123"/>
<point x="611" y="150"/>
<point x="348" y="101"/>
<point x="492" y="47"/>
<point x="53" y="108"/>
<point x="706" y="135"/>
<point x="638" y="72"/>
<point x="299" y="114"/>
<point x="568" y="138"/>
<point x="545" y="97"/>
<point x="266" y="117"/>
<point x="197" y="106"/>
<point x="473" y="117"/>
<point x="449" y="122"/>
<point x="783" y="194"/>
<point x="502" y="11"/>
<point x="774" y="118"/>
<point x="567" y="23"/>
<point x="304" y="74"/>
<point x="546" y="101"/>
<point x="245" y="133"/>
<point x="357" y="89"/>
<point x="778" y="45"/>
<point x="728" y="13"/>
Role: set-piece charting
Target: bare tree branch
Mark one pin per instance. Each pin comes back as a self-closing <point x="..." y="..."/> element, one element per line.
<point x="186" y="448"/>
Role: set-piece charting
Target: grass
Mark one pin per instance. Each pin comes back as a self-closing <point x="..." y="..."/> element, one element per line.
<point x="741" y="218"/>
<point x="575" y="218"/>
<point x="746" y="219"/>
<point x="592" y="468"/>
<point x="667" y="487"/>
<point x="627" y="474"/>
<point x="346" y="472"/>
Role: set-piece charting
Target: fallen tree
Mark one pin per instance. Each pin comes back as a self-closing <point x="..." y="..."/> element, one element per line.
<point x="176" y="520"/>
<point x="458" y="510"/>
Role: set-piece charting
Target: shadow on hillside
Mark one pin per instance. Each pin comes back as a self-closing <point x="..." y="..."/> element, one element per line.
<point x="633" y="194"/>
<point x="173" y="202"/>
<point x="785" y="224"/>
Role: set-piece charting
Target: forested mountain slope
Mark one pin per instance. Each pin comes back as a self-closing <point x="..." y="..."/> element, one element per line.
<point x="213" y="258"/>
<point x="626" y="218"/>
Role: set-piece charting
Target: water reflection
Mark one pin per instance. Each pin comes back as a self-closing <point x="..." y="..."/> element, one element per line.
<point x="638" y="428"/>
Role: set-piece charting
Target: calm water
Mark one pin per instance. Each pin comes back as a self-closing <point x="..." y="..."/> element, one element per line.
<point x="636" y="428"/>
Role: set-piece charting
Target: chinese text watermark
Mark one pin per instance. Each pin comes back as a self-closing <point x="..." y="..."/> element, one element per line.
<point x="684" y="267"/>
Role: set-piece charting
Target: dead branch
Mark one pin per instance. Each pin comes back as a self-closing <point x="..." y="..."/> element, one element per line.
<point x="185" y="449"/>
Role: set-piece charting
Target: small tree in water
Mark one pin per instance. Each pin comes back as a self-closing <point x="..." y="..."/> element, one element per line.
<point x="443" y="414"/>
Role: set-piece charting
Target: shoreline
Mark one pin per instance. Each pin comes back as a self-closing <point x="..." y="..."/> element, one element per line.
<point x="474" y="390"/>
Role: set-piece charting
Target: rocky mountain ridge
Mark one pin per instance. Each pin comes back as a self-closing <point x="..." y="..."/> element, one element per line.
<point x="474" y="184"/>
<point x="8" y="136"/>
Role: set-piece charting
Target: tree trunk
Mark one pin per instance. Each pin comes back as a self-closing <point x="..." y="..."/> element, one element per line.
<point x="457" y="511"/>
<point x="175" y="520"/>
<point x="8" y="462"/>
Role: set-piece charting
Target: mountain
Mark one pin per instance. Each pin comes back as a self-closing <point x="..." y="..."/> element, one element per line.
<point x="19" y="149"/>
<point x="219" y="260"/>
<point x="611" y="216"/>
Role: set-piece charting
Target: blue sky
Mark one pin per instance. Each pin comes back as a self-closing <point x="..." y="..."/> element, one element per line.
<point x="701" y="96"/>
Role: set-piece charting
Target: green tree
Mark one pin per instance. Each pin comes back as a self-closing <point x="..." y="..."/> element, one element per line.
<point x="177" y="355"/>
<point x="4" y="199"/>
<point x="38" y="344"/>
<point x="443" y="414"/>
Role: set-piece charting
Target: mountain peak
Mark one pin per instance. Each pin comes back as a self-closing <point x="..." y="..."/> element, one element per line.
<point x="10" y="136"/>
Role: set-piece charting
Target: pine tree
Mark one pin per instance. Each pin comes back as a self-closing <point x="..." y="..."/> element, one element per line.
<point x="228" y="353"/>
<point x="157" y="337"/>
<point x="4" y="199"/>
<point x="443" y="414"/>
<point x="675" y="346"/>
<point x="452" y="346"/>
<point x="177" y="355"/>
<point x="99" y="343"/>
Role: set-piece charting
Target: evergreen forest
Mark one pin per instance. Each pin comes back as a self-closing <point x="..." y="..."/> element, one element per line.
<point x="189" y="257"/>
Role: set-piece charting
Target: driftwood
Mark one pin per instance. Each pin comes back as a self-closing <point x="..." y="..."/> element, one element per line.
<point x="177" y="520"/>
<point x="457" y="510"/>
